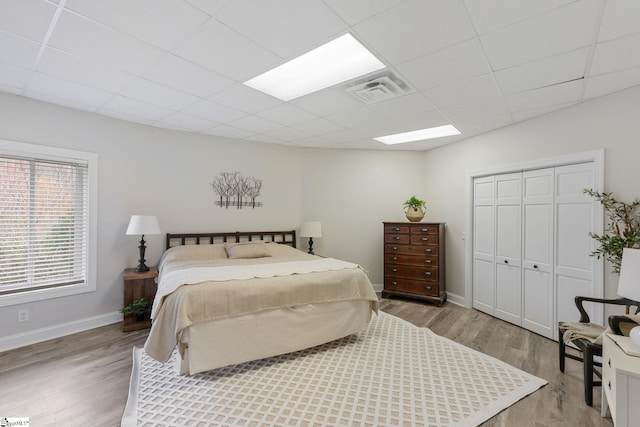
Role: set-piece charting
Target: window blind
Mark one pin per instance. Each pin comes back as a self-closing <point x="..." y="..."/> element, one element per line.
<point x="43" y="223"/>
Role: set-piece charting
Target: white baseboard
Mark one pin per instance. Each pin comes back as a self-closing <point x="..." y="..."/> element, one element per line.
<point x="456" y="299"/>
<point x="378" y="287"/>
<point x="56" y="331"/>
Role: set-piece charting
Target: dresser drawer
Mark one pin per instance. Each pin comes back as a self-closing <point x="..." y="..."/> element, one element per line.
<point x="397" y="229"/>
<point x="411" y="272"/>
<point x="423" y="239"/>
<point x="425" y="229"/>
<point x="426" y="260"/>
<point x="397" y="238"/>
<point x="411" y="250"/>
<point x="411" y="286"/>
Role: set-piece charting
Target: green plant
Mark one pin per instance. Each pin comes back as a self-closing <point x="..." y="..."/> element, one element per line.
<point x="138" y="307"/>
<point x="414" y="202"/>
<point x="622" y="230"/>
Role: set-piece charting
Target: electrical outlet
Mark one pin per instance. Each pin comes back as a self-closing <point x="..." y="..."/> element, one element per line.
<point x="23" y="315"/>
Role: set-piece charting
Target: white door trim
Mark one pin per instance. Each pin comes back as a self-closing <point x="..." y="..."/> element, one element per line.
<point x="595" y="156"/>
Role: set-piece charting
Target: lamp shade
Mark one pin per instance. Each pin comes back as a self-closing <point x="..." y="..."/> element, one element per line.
<point x="629" y="283"/>
<point x="143" y="224"/>
<point x="311" y="229"/>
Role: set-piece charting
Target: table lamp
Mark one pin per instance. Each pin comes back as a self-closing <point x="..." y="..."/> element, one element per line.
<point x="142" y="224"/>
<point x="629" y="284"/>
<point x="311" y="229"/>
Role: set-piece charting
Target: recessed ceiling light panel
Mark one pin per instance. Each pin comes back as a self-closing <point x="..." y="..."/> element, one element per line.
<point x="339" y="60"/>
<point x="419" y="135"/>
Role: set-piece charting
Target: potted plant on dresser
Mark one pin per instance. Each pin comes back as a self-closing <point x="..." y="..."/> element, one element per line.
<point x="414" y="209"/>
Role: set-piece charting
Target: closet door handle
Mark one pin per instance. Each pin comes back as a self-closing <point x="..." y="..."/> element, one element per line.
<point x="535" y="265"/>
<point x="506" y="261"/>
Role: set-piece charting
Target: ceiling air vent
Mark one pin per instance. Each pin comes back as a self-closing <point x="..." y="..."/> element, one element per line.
<point x="379" y="89"/>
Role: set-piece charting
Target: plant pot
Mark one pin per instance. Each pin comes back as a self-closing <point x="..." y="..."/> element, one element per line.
<point x="414" y="214"/>
<point x="140" y="317"/>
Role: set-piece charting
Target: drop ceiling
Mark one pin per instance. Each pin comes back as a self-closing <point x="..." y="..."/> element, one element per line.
<point x="180" y="64"/>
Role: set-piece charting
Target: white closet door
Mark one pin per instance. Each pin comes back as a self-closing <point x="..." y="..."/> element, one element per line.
<point x="508" y="216"/>
<point x="574" y="217"/>
<point x="483" y="244"/>
<point x="537" y="262"/>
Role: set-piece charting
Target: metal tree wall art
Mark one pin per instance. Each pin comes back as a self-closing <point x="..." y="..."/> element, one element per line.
<point x="233" y="189"/>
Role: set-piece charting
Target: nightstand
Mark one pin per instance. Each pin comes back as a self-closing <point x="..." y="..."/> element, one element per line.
<point x="620" y="381"/>
<point x="136" y="286"/>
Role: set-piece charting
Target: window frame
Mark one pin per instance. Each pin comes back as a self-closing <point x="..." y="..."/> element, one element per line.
<point x="45" y="152"/>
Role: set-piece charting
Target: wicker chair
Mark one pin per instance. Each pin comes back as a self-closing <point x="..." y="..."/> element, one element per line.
<point x="587" y="348"/>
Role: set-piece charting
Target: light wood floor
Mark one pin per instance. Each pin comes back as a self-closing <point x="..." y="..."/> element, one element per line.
<point x="83" y="379"/>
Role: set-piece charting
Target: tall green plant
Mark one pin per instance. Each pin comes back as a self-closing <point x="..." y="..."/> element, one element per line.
<point x="622" y="230"/>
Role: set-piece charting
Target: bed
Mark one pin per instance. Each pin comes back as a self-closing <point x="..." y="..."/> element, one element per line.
<point x="228" y="298"/>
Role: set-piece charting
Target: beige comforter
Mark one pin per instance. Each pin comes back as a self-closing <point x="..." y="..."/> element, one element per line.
<point x="211" y="300"/>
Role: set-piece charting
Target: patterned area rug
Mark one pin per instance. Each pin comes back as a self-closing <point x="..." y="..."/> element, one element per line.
<point x="392" y="374"/>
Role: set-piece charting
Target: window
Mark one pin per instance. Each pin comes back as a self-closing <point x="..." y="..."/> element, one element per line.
<point x="47" y="206"/>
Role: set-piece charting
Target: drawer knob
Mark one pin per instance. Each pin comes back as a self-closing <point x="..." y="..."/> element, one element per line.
<point x="424" y="230"/>
<point x="425" y="239"/>
<point x="396" y="238"/>
<point x="427" y="273"/>
<point x="428" y="251"/>
<point x="395" y="248"/>
<point x="394" y="283"/>
<point x="428" y="288"/>
<point x="396" y="228"/>
<point x="428" y="261"/>
<point x="395" y="270"/>
<point x="395" y="258"/>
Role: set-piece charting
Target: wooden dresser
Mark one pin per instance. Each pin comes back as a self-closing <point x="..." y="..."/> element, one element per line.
<point x="414" y="261"/>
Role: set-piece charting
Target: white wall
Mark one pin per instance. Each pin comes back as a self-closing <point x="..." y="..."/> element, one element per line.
<point x="610" y="122"/>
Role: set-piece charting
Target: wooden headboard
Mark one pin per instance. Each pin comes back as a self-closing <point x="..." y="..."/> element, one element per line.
<point x="180" y="239"/>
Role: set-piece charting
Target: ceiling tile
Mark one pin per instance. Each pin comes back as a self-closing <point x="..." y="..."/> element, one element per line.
<point x="459" y="62"/>
<point x="486" y="108"/>
<point x="241" y="97"/>
<point x="616" y="55"/>
<point x="489" y="15"/>
<point x="286" y="114"/>
<point x="64" y="89"/>
<point x="360" y="117"/>
<point x="102" y="44"/>
<point x="414" y="28"/>
<point x="548" y="71"/>
<point x="83" y="71"/>
<point x="605" y="84"/>
<point x="621" y="18"/>
<point x="17" y="50"/>
<point x="228" y="131"/>
<point x="535" y="112"/>
<point x="272" y="27"/>
<point x="546" y="96"/>
<point x="327" y="101"/>
<point x="560" y="30"/>
<point x="209" y="110"/>
<point x="287" y="134"/>
<point x="355" y="11"/>
<point x="183" y="75"/>
<point x="220" y="49"/>
<point x="135" y="108"/>
<point x="318" y="127"/>
<point x="157" y="94"/>
<point x="161" y="23"/>
<point x="483" y="124"/>
<point x="210" y="7"/>
<point x="464" y="92"/>
<point x="414" y="104"/>
<point x="185" y="121"/>
<point x="27" y="18"/>
<point x="255" y="124"/>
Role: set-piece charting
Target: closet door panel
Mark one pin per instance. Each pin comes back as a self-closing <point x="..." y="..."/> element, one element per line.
<point x="483" y="245"/>
<point x="508" y="214"/>
<point x="574" y="219"/>
<point x="537" y="264"/>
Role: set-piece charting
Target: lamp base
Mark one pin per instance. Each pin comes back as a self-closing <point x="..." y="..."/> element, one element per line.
<point x="141" y="268"/>
<point x="310" y="246"/>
